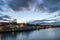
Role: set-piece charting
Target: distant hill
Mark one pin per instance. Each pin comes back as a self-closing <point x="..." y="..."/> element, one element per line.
<point x="45" y="22"/>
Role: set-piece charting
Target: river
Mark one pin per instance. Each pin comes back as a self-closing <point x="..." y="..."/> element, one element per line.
<point x="42" y="34"/>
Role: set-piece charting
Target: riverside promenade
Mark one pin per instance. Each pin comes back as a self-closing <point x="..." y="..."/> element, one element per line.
<point x="24" y="27"/>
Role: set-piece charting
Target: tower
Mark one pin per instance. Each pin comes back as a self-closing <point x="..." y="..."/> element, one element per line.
<point x="15" y="20"/>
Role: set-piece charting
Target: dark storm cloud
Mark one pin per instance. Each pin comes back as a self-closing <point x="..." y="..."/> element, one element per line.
<point x="6" y="16"/>
<point x="41" y="7"/>
<point x="1" y="2"/>
<point x="1" y="9"/>
<point x="53" y="9"/>
<point x="52" y="5"/>
<point x="52" y="1"/>
<point x="47" y="5"/>
<point x="1" y="18"/>
<point x="18" y="4"/>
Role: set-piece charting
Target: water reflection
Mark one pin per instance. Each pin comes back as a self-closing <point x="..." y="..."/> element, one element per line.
<point x="0" y="36"/>
<point x="43" y="34"/>
<point x="12" y="33"/>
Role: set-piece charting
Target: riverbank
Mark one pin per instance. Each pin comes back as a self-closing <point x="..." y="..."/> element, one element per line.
<point x="24" y="29"/>
<point x="10" y="27"/>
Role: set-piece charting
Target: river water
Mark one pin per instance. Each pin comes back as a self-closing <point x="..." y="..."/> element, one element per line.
<point x="42" y="34"/>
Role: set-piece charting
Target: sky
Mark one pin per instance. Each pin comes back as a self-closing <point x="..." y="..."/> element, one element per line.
<point x="29" y="10"/>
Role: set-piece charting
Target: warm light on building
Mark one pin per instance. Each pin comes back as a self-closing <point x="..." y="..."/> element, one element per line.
<point x="15" y="20"/>
<point x="21" y="25"/>
<point x="1" y="23"/>
<point x="1" y="28"/>
<point x="17" y="26"/>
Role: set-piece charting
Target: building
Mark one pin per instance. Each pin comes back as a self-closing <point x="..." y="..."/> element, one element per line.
<point x="15" y="20"/>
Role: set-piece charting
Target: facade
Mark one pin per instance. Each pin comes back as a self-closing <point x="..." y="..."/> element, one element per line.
<point x="15" y="20"/>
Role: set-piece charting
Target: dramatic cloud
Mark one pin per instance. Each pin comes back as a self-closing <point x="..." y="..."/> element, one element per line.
<point x="52" y="5"/>
<point x="1" y="2"/>
<point x="23" y="9"/>
<point x="18" y="5"/>
<point x="1" y="18"/>
<point x="4" y="17"/>
<point x="4" y="5"/>
<point x="46" y="5"/>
